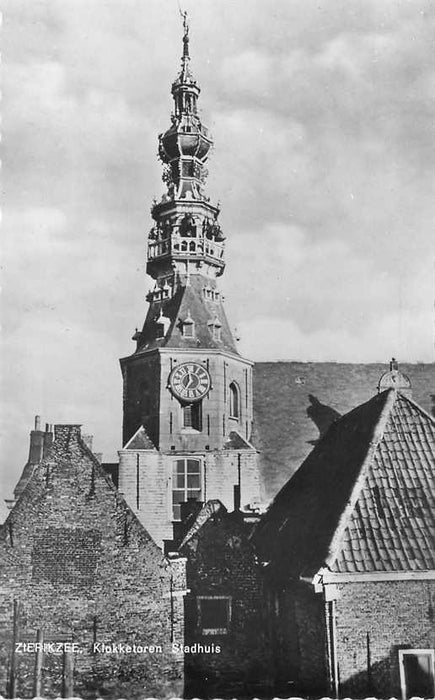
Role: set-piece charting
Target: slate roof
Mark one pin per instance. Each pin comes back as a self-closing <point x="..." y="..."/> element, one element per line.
<point x="364" y="499"/>
<point x="188" y="301"/>
<point x="295" y="402"/>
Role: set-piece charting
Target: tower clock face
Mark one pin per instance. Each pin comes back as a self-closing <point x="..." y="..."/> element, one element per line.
<point x="189" y="381"/>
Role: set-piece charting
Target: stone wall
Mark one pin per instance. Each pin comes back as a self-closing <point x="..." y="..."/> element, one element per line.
<point x="82" y="569"/>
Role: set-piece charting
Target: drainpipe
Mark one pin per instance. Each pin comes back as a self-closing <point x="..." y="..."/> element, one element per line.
<point x="333" y="616"/>
<point x="330" y="595"/>
<point x="328" y="651"/>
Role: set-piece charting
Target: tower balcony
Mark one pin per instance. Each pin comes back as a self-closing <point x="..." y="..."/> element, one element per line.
<point x="181" y="248"/>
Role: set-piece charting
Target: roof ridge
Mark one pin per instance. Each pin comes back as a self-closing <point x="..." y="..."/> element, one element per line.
<point x="208" y="510"/>
<point x="414" y="404"/>
<point x="377" y="435"/>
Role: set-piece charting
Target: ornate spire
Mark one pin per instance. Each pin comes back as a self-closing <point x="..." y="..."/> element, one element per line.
<point x="185" y="145"/>
<point x="186" y="244"/>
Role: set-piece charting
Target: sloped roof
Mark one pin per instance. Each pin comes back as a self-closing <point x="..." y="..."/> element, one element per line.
<point x="70" y="455"/>
<point x="207" y="511"/>
<point x="237" y="442"/>
<point x="295" y="403"/>
<point x="188" y="301"/>
<point x="140" y="441"/>
<point x="364" y="499"/>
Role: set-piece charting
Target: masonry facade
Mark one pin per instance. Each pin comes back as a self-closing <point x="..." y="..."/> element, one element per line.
<point x="78" y="567"/>
<point x="224" y="607"/>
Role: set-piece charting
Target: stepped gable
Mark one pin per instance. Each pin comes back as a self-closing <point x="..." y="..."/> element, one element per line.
<point x="363" y="500"/>
<point x="69" y="466"/>
<point x="295" y="402"/>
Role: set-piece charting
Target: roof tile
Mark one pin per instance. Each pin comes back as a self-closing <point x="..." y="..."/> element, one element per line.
<point x="350" y="506"/>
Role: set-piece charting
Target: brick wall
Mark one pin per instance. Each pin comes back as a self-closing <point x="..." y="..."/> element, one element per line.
<point x="296" y="636"/>
<point x="83" y="569"/>
<point x="221" y="562"/>
<point x="374" y="621"/>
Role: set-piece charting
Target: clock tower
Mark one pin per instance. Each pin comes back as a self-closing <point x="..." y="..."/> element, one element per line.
<point x="187" y="391"/>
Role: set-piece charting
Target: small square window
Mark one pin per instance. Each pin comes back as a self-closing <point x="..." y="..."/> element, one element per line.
<point x="214" y="614"/>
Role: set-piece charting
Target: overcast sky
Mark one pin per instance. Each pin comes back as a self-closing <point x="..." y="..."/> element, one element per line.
<point x="323" y="116"/>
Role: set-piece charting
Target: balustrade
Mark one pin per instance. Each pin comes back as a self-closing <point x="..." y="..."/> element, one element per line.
<point x="177" y="245"/>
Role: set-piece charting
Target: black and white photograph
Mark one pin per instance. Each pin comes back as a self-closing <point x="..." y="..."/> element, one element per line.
<point x="218" y="349"/>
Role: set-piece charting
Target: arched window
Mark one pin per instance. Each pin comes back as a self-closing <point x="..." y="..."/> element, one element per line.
<point x="186" y="483"/>
<point x="234" y="400"/>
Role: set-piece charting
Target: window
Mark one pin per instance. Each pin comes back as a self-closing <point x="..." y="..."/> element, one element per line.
<point x="188" y="326"/>
<point x="188" y="330"/>
<point x="214" y="614"/>
<point x="186" y="483"/>
<point x="416" y="667"/>
<point x="234" y="400"/>
<point x="215" y="328"/>
<point x="192" y="416"/>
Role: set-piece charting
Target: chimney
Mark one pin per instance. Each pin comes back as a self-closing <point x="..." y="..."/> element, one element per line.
<point x="47" y="439"/>
<point x="39" y="443"/>
<point x="36" y="443"/>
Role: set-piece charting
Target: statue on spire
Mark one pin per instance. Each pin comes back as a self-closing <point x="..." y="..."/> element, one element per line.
<point x="185" y="57"/>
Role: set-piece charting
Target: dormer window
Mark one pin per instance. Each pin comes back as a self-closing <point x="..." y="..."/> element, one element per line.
<point x="215" y="327"/>
<point x="162" y="325"/>
<point x="188" y="326"/>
